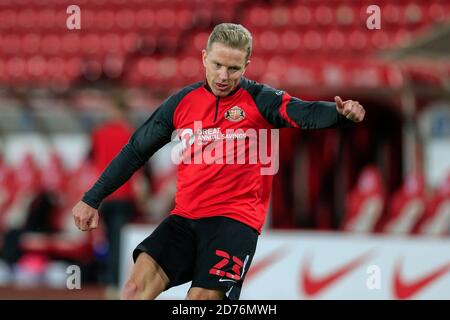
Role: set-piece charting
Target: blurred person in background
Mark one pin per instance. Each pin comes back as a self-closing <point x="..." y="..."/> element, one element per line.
<point x="210" y="236"/>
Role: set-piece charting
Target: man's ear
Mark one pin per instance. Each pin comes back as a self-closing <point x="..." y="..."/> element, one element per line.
<point x="204" y="55"/>
<point x="246" y="65"/>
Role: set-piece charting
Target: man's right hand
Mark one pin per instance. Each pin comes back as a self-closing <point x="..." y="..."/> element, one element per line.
<point x="86" y="217"/>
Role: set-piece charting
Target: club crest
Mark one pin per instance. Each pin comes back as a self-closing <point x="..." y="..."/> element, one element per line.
<point x="235" y="114"/>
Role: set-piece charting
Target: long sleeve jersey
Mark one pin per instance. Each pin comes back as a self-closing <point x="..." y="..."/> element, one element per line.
<point x="229" y="182"/>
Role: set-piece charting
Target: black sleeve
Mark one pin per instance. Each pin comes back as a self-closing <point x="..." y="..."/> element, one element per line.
<point x="281" y="110"/>
<point x="314" y="114"/>
<point x="147" y="139"/>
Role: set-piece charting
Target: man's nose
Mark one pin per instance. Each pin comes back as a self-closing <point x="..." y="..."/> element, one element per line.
<point x="223" y="74"/>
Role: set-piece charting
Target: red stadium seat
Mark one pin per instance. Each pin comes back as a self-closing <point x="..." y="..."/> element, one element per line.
<point x="145" y="19"/>
<point x="26" y="19"/>
<point x="147" y="67"/>
<point x="269" y="41"/>
<point x="301" y="16"/>
<point x="437" y="13"/>
<point x="72" y="68"/>
<point x="335" y="41"/>
<point x="90" y="43"/>
<point x="46" y="18"/>
<point x="323" y="15"/>
<point x="191" y="68"/>
<point x="357" y="41"/>
<point x="167" y="72"/>
<point x="27" y="174"/>
<point x="7" y="191"/>
<point x="37" y="67"/>
<point x="258" y="17"/>
<point x="8" y="19"/>
<point x="203" y="16"/>
<point x="413" y="14"/>
<point x="110" y="42"/>
<point x="129" y="42"/>
<point x="11" y="44"/>
<point x="345" y="15"/>
<point x="257" y="68"/>
<point x="165" y="19"/>
<point x="406" y="206"/>
<point x="302" y="74"/>
<point x="365" y="202"/>
<point x="51" y="44"/>
<point x="379" y="39"/>
<point x="15" y="67"/>
<point x="31" y="43"/>
<point x="402" y="38"/>
<point x="184" y="19"/>
<point x="290" y="41"/>
<point x="436" y="221"/>
<point x="313" y="40"/>
<point x="104" y="20"/>
<point x="392" y="15"/>
<point x="279" y="16"/>
<point x="70" y="43"/>
<point x="125" y="19"/>
<point x="199" y="42"/>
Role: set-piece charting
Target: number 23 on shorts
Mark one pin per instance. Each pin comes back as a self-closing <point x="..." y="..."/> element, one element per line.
<point x="217" y="268"/>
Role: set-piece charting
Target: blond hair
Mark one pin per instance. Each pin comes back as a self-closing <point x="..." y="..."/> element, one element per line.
<point x="232" y="35"/>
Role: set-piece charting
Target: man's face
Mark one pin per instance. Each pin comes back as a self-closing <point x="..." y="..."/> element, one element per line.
<point x="224" y="67"/>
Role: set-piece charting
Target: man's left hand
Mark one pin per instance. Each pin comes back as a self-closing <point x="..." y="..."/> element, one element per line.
<point x="350" y="109"/>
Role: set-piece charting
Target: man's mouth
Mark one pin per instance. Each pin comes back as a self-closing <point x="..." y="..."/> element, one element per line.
<point x="222" y="87"/>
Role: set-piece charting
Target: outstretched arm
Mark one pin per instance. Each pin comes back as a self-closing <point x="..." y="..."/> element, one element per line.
<point x="319" y="114"/>
<point x="282" y="110"/>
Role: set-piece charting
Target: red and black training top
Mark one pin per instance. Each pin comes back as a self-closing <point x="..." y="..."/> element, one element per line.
<point x="235" y="190"/>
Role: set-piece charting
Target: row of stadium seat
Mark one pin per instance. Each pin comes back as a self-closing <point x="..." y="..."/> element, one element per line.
<point x="341" y="15"/>
<point x="145" y="19"/>
<point x="111" y="3"/>
<point x="108" y="20"/>
<point x="164" y="73"/>
<point x="286" y="40"/>
<point x="175" y="71"/>
<point x="410" y="210"/>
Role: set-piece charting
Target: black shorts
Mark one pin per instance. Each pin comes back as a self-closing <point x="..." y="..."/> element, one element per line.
<point x="213" y="253"/>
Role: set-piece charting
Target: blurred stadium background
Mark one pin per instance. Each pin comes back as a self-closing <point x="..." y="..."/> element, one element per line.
<point x="387" y="178"/>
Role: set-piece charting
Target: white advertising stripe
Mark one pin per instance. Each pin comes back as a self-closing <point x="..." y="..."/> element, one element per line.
<point x="318" y="265"/>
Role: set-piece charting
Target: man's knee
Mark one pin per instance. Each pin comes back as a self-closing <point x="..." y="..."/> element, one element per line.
<point x="130" y="290"/>
<point x="205" y="294"/>
<point x="147" y="279"/>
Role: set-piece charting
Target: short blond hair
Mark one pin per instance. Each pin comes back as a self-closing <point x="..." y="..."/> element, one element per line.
<point x="232" y="35"/>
